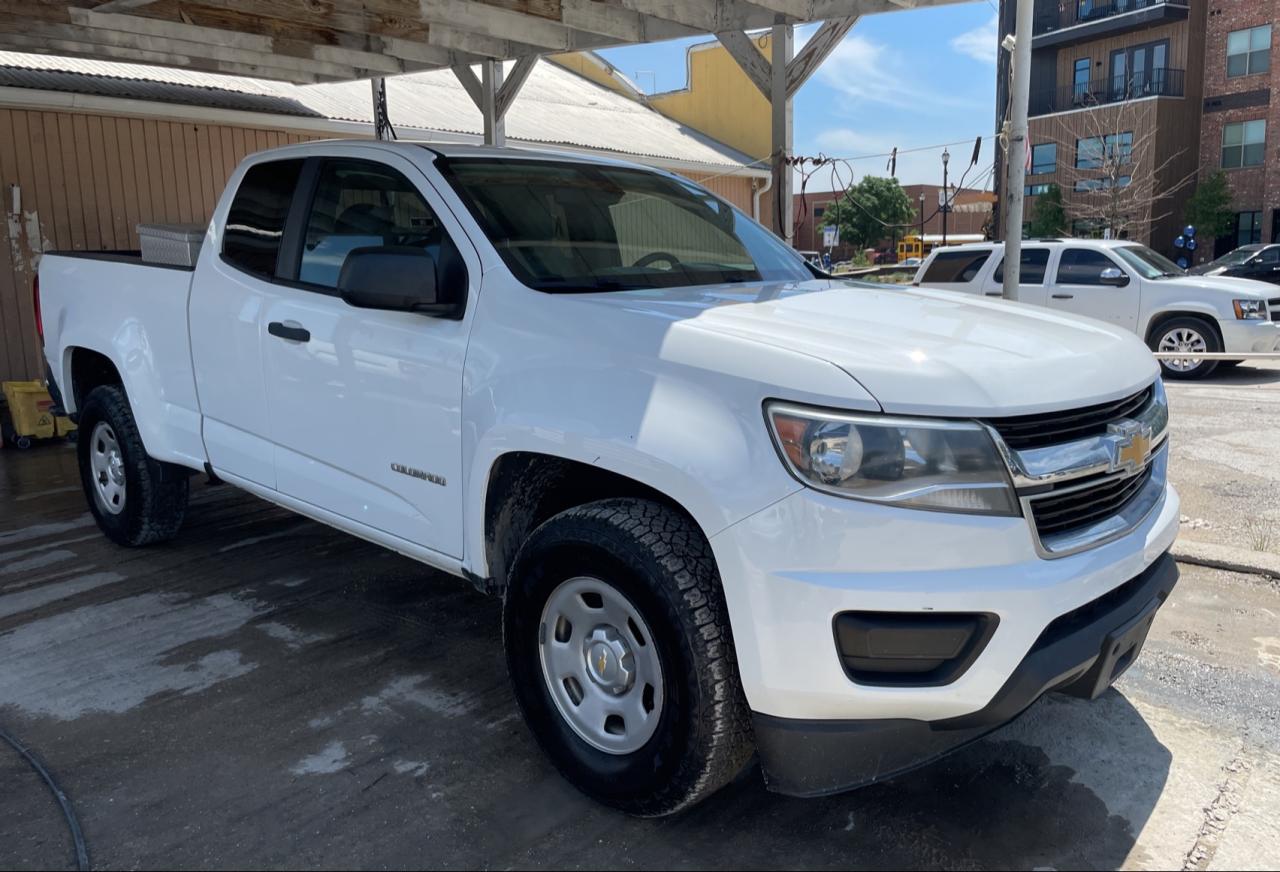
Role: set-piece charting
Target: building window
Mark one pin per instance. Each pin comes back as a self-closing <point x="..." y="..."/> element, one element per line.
<point x="1248" y="228"/>
<point x="1044" y="158"/>
<point x="1243" y="144"/>
<point x="1080" y="78"/>
<point x="1094" y="151"/>
<point x="1087" y="228"/>
<point x="1087" y="185"/>
<point x="1036" y="190"/>
<point x="817" y="211"/>
<point x="1249" y="51"/>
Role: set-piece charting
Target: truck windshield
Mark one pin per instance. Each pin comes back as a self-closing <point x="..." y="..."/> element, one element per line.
<point x="578" y="227"/>
<point x="1149" y="264"/>
<point x="1237" y="257"/>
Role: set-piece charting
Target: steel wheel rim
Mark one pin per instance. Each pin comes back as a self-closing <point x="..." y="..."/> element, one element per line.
<point x="1183" y="339"/>
<point x="600" y="665"/>
<point x="107" y="465"/>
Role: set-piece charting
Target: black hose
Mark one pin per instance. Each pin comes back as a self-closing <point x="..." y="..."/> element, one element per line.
<point x="82" y="852"/>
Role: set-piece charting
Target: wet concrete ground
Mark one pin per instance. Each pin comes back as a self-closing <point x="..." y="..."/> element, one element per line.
<point x="267" y="692"/>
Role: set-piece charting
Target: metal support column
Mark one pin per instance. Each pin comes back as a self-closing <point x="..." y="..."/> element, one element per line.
<point x="783" y="44"/>
<point x="490" y="84"/>
<point x="1020" y="90"/>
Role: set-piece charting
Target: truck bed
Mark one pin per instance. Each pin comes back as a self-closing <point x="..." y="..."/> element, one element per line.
<point x="114" y="300"/>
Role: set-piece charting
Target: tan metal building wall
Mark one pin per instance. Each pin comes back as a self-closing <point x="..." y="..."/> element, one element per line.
<point x="85" y="181"/>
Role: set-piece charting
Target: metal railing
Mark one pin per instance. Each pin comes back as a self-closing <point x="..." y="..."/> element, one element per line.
<point x="1163" y="82"/>
<point x="1074" y="12"/>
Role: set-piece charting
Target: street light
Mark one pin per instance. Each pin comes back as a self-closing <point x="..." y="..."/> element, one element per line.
<point x="922" y="225"/>
<point x="946" y="204"/>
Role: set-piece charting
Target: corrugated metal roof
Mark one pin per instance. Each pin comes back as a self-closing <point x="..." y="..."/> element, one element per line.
<point x="555" y="106"/>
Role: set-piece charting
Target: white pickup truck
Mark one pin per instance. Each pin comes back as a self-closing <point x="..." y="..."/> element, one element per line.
<point x="1126" y="284"/>
<point x="731" y="506"/>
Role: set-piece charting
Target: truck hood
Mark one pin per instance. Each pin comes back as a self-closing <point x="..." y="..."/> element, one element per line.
<point x="918" y="351"/>
<point x="1230" y="287"/>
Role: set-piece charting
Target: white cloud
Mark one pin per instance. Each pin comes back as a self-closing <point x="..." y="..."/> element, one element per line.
<point x="981" y="43"/>
<point x="864" y="72"/>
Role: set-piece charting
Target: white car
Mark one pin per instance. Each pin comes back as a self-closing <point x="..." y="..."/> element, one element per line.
<point x="1128" y="285"/>
<point x="731" y="507"/>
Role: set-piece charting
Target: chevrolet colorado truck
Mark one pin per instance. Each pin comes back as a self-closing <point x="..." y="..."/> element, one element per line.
<point x="732" y="507"/>
<point x="1129" y="285"/>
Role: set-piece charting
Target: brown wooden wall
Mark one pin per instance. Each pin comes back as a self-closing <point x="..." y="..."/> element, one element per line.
<point x="87" y="181"/>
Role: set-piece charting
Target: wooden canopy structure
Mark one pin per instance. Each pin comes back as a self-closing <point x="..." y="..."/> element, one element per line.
<point x="305" y="41"/>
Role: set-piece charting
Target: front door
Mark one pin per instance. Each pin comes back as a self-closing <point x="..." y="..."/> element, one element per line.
<point x="1079" y="288"/>
<point x="366" y="404"/>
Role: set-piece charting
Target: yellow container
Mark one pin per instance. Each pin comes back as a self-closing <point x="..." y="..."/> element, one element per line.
<point x="64" y="425"/>
<point x="30" y="409"/>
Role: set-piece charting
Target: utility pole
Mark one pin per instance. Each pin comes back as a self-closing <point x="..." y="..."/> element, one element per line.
<point x="1016" y="137"/>
<point x="946" y="195"/>
<point x="922" y="225"/>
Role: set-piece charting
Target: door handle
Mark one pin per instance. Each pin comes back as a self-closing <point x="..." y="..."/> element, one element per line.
<point x="289" y="330"/>
<point x="995" y="293"/>
<point x="1064" y="296"/>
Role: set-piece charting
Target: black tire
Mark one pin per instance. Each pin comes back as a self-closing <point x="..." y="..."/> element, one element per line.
<point x="660" y="561"/>
<point x="156" y="493"/>
<point x="1203" y="328"/>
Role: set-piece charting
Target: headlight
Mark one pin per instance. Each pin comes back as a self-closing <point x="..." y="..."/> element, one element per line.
<point x="1250" y="310"/>
<point x="949" y="466"/>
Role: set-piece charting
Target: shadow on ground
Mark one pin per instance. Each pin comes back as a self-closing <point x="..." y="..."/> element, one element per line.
<point x="267" y="692"/>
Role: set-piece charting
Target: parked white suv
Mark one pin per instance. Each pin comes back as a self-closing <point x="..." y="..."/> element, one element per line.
<point x="732" y="506"/>
<point x="1128" y="285"/>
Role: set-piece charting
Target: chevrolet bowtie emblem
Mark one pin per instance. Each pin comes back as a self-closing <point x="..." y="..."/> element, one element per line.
<point x="1130" y="445"/>
<point x="602" y="662"/>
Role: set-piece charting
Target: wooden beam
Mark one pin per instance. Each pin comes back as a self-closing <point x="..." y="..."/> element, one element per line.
<point x="816" y="50"/>
<point x="72" y="48"/>
<point x="519" y="73"/>
<point x="122" y="5"/>
<point x="470" y="83"/>
<point x="495" y="132"/>
<point x="750" y="60"/>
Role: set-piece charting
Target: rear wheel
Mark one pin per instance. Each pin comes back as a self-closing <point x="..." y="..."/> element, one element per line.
<point x="620" y="655"/>
<point x="1188" y="335"/>
<point x="135" y="500"/>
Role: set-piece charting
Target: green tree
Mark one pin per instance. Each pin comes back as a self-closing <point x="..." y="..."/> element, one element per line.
<point x="1048" y="217"/>
<point x="1209" y="207"/>
<point x="874" y="209"/>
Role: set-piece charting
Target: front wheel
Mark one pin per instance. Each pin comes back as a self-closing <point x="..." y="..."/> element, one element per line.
<point x="135" y="500"/>
<point x="621" y="657"/>
<point x="1188" y="335"/>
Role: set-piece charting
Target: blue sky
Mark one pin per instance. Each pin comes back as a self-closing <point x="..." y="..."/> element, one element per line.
<point x="907" y="79"/>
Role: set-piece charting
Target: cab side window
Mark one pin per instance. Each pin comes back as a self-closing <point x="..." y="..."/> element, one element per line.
<point x="1083" y="266"/>
<point x="1034" y="261"/>
<point x="255" y="223"/>
<point x="360" y="204"/>
<point x="952" y="267"/>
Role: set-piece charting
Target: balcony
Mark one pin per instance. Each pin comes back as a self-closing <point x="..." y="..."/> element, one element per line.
<point x="1076" y="21"/>
<point x="1165" y="82"/>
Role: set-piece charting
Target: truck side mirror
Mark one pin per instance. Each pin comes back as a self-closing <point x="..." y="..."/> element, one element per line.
<point x="397" y="279"/>
<point x="1114" y="277"/>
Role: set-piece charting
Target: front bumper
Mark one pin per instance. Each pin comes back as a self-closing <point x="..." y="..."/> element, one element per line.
<point x="1250" y="336"/>
<point x="1080" y="653"/>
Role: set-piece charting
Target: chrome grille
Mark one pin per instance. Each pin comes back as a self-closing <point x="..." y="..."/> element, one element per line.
<point x="1051" y="428"/>
<point x="1072" y="508"/>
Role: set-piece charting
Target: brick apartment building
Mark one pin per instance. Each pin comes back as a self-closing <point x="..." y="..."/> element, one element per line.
<point x="810" y="209"/>
<point x="1148" y="97"/>
<point x="1242" y="115"/>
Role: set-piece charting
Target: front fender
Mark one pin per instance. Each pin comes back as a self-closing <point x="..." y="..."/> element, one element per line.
<point x="1182" y="307"/>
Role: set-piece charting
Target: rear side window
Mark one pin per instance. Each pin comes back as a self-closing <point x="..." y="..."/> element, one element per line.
<point x="1034" y="261"/>
<point x="1082" y="266"/>
<point x="955" y="266"/>
<point x="255" y="224"/>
